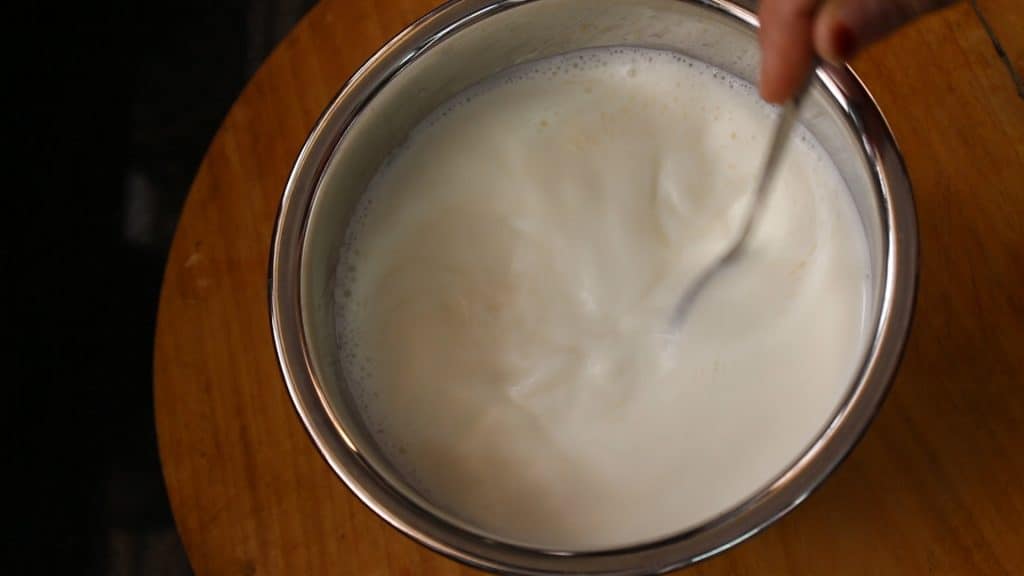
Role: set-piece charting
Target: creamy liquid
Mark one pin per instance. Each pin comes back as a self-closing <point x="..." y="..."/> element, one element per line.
<point x="504" y="295"/>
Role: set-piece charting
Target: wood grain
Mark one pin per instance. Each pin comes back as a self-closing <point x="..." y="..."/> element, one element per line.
<point x="936" y="486"/>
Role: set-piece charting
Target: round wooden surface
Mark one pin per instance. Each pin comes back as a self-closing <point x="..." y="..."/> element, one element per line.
<point x="935" y="487"/>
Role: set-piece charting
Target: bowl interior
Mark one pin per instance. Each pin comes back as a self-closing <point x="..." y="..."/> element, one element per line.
<point x="418" y="72"/>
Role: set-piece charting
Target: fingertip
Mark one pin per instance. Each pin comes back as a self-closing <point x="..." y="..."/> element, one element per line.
<point x="771" y="91"/>
<point x="783" y="72"/>
<point x="834" y="38"/>
<point x="786" y="47"/>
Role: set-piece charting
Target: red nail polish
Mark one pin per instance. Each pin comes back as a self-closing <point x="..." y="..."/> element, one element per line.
<point x="844" y="42"/>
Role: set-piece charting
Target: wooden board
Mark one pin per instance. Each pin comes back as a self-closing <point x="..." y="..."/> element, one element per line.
<point x="936" y="486"/>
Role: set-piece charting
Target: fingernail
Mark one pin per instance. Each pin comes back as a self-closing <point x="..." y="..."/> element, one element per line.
<point x="844" y="43"/>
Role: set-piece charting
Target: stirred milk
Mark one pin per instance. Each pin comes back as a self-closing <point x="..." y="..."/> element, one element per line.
<point x="504" y="294"/>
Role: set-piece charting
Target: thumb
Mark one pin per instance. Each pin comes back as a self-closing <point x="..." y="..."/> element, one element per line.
<point x="842" y="27"/>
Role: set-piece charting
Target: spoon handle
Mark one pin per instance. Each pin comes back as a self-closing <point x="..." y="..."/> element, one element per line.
<point x="780" y="138"/>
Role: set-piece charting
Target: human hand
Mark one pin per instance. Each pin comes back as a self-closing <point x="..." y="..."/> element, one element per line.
<point x="793" y="31"/>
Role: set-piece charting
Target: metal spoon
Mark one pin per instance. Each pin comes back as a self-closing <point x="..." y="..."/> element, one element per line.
<point x="780" y="139"/>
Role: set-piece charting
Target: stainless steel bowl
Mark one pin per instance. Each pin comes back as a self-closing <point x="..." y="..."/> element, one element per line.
<point x="460" y="44"/>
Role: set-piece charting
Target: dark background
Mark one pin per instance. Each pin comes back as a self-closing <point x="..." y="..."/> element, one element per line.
<point x="114" y="105"/>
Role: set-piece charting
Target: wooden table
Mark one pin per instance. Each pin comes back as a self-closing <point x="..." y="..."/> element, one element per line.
<point x="935" y="487"/>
